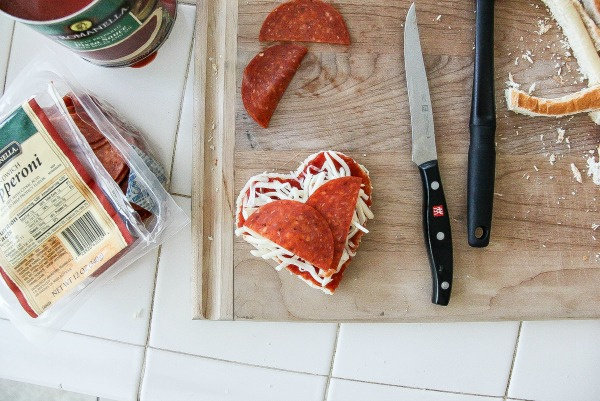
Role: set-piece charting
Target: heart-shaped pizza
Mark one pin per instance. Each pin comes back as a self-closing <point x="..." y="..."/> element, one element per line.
<point x="310" y="221"/>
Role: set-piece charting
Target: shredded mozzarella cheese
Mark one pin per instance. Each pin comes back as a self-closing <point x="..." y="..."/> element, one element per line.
<point x="269" y="250"/>
<point x="265" y="188"/>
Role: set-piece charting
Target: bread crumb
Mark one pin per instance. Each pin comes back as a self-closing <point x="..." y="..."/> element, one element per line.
<point x="543" y="27"/>
<point x="528" y="58"/>
<point x="576" y="173"/>
<point x="511" y="82"/>
<point x="561" y="135"/>
<point x="594" y="169"/>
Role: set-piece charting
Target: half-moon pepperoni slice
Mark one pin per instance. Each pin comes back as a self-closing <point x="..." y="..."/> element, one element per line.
<point x="319" y="162"/>
<point x="267" y="77"/>
<point x="336" y="201"/>
<point x="305" y="21"/>
<point x="296" y="227"/>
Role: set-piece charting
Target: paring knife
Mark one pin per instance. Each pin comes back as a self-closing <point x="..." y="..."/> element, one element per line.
<point x="436" y="222"/>
<point x="482" y="148"/>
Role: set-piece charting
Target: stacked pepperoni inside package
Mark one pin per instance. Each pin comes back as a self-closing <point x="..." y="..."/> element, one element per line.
<point x="81" y="197"/>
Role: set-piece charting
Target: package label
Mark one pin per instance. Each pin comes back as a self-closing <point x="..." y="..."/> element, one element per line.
<point x="57" y="228"/>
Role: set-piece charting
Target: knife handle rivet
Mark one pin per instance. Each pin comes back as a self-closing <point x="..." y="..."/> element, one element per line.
<point x="440" y="236"/>
<point x="435" y="185"/>
<point x="445" y="285"/>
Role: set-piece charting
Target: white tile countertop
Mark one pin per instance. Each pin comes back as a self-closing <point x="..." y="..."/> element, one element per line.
<point x="134" y="339"/>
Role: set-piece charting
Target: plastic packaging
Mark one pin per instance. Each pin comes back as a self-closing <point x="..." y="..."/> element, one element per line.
<point x="81" y="197"/>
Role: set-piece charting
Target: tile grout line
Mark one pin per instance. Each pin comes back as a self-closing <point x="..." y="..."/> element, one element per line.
<point x="151" y="314"/>
<point x="335" y="344"/>
<point x="172" y="167"/>
<point x="12" y="37"/>
<point x="112" y="340"/>
<point x="499" y="397"/>
<point x="251" y="365"/>
<point x="514" y="358"/>
<point x="181" y="102"/>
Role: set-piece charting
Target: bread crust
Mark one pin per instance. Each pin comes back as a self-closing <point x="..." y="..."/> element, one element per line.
<point x="567" y="16"/>
<point x="589" y="23"/>
<point x="584" y="101"/>
<point x="593" y="9"/>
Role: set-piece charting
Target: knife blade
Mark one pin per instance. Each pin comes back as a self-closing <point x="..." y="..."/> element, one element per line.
<point x="436" y="221"/>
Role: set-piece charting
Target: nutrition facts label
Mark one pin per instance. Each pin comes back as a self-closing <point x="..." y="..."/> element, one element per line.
<point x="43" y="216"/>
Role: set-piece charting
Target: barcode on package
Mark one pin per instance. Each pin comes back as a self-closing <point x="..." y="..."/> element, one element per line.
<point x="83" y="234"/>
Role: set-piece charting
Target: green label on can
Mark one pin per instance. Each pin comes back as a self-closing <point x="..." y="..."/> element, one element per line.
<point x="103" y="25"/>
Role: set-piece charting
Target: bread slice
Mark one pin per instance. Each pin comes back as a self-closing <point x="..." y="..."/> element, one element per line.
<point x="584" y="101"/>
<point x="593" y="9"/>
<point x="566" y="15"/>
<point x="589" y="23"/>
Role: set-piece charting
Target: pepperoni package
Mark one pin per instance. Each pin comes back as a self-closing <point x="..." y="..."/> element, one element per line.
<point x="81" y="197"/>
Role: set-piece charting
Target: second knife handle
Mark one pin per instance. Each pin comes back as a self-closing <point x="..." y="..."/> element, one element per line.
<point x="482" y="151"/>
<point x="438" y="235"/>
<point x="480" y="185"/>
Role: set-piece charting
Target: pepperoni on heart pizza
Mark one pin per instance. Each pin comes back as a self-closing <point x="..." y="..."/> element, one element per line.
<point x="310" y="221"/>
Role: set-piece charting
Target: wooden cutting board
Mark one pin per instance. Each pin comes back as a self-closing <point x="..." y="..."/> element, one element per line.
<point x="543" y="261"/>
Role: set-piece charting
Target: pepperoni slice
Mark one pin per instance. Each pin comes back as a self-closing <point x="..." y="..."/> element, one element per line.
<point x="123" y="175"/>
<point x="86" y="125"/>
<point x="305" y="21"/>
<point x="124" y="183"/>
<point x="336" y="201"/>
<point x="87" y="128"/>
<point x="68" y="100"/>
<point x="112" y="161"/>
<point x="297" y="228"/>
<point x="266" y="78"/>
<point x="356" y="170"/>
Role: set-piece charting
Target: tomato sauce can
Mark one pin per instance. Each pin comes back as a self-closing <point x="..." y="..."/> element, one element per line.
<point x="110" y="33"/>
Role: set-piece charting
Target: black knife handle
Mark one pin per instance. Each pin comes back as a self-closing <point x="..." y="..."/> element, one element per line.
<point x="480" y="185"/>
<point x="438" y="235"/>
<point x="482" y="149"/>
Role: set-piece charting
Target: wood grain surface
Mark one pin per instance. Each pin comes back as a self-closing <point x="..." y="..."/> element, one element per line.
<point x="543" y="261"/>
